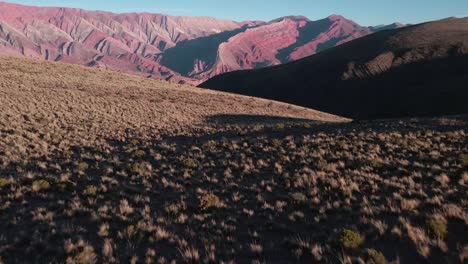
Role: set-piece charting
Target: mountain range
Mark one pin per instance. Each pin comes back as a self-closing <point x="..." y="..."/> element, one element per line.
<point x="417" y="70"/>
<point x="178" y="49"/>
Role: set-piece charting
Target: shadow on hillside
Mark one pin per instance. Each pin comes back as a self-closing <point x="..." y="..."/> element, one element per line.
<point x="182" y="57"/>
<point x="234" y="119"/>
<point x="179" y="166"/>
<point x="422" y="88"/>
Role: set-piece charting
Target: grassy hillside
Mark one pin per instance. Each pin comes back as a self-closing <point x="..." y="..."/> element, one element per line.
<point x="97" y="167"/>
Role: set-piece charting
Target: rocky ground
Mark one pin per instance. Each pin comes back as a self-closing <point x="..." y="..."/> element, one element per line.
<point x="80" y="185"/>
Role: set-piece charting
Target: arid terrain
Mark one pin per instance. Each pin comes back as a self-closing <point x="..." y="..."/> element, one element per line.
<point x="101" y="167"/>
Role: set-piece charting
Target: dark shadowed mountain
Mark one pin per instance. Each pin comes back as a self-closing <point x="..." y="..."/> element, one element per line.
<point x="387" y="27"/>
<point x="414" y="71"/>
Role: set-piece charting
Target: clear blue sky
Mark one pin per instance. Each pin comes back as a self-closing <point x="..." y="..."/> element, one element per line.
<point x="365" y="12"/>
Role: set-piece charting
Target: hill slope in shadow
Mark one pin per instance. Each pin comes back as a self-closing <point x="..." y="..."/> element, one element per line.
<point x="415" y="71"/>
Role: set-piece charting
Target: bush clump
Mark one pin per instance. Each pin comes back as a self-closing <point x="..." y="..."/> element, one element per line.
<point x="276" y="143"/>
<point x="298" y="197"/>
<point x="82" y="166"/>
<point x="40" y="185"/>
<point x="142" y="168"/>
<point x="189" y="163"/>
<point x="139" y="153"/>
<point x="90" y="190"/>
<point x="350" y="239"/>
<point x="376" y="257"/>
<point x="134" y="141"/>
<point x="438" y="228"/>
<point x="210" y="145"/>
<point x="376" y="164"/>
<point x="4" y="182"/>
<point x="210" y="200"/>
<point x="280" y="126"/>
<point x="464" y="159"/>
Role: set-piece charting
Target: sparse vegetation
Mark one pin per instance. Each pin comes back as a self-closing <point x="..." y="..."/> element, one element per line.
<point x="72" y="189"/>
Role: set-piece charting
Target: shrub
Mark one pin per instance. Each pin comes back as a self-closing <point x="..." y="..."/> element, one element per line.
<point x="280" y="126"/>
<point x="142" y="168"/>
<point x="134" y="141"/>
<point x="376" y="164"/>
<point x="350" y="239"/>
<point x="298" y="197"/>
<point x="464" y="159"/>
<point x="376" y="257"/>
<point x="439" y="228"/>
<point x="173" y="209"/>
<point x="90" y="190"/>
<point x="189" y="163"/>
<point x="210" y="145"/>
<point x="276" y="143"/>
<point x="139" y="153"/>
<point x="321" y="164"/>
<point x="40" y="185"/>
<point x="306" y="125"/>
<point x="409" y="204"/>
<point x="82" y="166"/>
<point x="4" y="182"/>
<point x="85" y="254"/>
<point x="208" y="201"/>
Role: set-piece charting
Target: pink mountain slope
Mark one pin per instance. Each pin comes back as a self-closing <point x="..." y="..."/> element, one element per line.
<point x="123" y="42"/>
<point x="180" y="49"/>
<point x="279" y="41"/>
<point x="339" y="30"/>
<point x="256" y="47"/>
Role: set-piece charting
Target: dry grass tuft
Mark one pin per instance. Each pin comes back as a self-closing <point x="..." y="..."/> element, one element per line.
<point x="438" y="227"/>
<point x="208" y="201"/>
<point x="350" y="239"/>
<point x="90" y="190"/>
<point x="40" y="185"/>
<point x="189" y="163"/>
<point x="376" y="257"/>
<point x="464" y="160"/>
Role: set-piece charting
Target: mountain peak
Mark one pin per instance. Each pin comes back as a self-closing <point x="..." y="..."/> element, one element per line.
<point x="293" y="18"/>
<point x="334" y="17"/>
